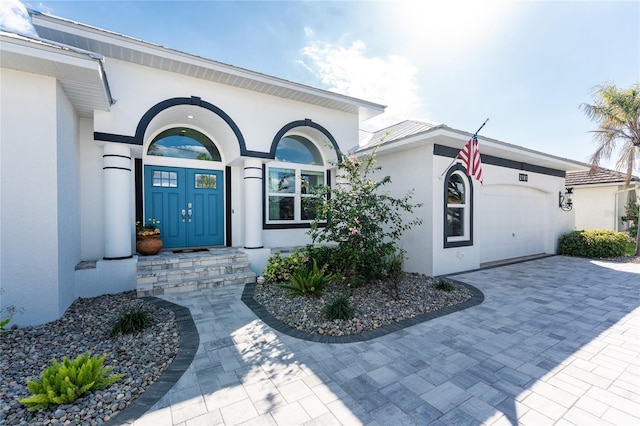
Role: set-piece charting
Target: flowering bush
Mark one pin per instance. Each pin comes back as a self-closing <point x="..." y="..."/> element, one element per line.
<point x="148" y="228"/>
<point x="365" y="222"/>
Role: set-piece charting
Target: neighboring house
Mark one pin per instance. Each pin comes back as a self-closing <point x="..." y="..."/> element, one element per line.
<point x="600" y="198"/>
<point x="100" y="130"/>
<point x="467" y="225"/>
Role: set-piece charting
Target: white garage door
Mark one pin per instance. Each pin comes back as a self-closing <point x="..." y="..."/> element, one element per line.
<point x="510" y="222"/>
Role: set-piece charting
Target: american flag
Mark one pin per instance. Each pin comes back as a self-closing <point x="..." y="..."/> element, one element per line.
<point x="470" y="156"/>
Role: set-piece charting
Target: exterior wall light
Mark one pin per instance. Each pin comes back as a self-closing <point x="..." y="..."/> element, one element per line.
<point x="565" y="201"/>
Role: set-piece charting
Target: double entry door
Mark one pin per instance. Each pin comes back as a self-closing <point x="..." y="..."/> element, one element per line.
<point x="189" y="204"/>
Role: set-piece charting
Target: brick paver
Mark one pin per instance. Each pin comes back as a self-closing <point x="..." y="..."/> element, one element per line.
<point x="556" y="341"/>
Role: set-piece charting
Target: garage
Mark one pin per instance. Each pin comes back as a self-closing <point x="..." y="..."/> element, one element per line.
<point x="511" y="222"/>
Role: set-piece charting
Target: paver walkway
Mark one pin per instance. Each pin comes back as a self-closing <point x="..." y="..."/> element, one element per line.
<point x="556" y="341"/>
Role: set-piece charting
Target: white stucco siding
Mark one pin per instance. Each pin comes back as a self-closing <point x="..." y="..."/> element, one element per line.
<point x="595" y="207"/>
<point x="68" y="202"/>
<point x="91" y="189"/>
<point x="258" y="116"/>
<point x="412" y="170"/>
<point x="453" y="259"/>
<point x="29" y="194"/>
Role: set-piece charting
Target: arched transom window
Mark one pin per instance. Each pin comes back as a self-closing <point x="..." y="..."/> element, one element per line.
<point x="297" y="169"/>
<point x="458" y="208"/>
<point x="184" y="143"/>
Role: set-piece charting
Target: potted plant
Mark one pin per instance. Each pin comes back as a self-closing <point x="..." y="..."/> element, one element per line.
<point x="148" y="237"/>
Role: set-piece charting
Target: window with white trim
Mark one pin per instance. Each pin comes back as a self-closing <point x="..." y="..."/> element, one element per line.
<point x="458" y="210"/>
<point x="290" y="181"/>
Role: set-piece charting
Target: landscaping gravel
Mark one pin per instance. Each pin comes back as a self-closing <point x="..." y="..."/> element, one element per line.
<point x="375" y="304"/>
<point x="85" y="326"/>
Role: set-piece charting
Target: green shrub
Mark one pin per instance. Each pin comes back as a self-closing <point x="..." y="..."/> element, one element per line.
<point x="279" y="268"/>
<point x="338" y="308"/>
<point x="305" y="281"/>
<point x="593" y="243"/>
<point x="63" y="383"/>
<point x="444" y="285"/>
<point x="132" y="321"/>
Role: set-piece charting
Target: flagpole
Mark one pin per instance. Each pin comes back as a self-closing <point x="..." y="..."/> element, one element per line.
<point x="456" y="157"/>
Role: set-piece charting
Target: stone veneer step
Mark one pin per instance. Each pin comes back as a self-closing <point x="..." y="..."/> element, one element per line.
<point x="169" y="272"/>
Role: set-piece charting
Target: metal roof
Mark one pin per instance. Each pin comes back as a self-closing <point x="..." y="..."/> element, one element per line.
<point x="394" y="132"/>
<point x="409" y="133"/>
<point x="119" y="46"/>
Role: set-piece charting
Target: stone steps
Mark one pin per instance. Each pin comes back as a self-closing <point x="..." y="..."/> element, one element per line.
<point x="169" y="272"/>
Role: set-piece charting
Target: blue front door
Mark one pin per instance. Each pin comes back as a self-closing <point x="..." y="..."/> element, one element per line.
<point x="189" y="204"/>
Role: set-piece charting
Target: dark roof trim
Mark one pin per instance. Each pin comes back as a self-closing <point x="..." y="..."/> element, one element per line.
<point x="446" y="151"/>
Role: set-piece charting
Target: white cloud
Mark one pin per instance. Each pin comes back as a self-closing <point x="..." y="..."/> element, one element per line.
<point x="308" y="31"/>
<point x="389" y="80"/>
<point x="14" y="18"/>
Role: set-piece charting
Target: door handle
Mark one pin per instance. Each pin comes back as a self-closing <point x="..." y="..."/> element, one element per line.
<point x="190" y="213"/>
<point x="183" y="213"/>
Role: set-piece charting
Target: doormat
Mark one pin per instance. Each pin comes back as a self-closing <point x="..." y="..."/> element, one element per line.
<point x="194" y="250"/>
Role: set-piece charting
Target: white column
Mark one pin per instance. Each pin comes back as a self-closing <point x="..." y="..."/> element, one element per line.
<point x="252" y="203"/>
<point x="117" y="201"/>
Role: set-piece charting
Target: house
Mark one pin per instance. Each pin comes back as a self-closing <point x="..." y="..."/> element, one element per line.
<point x="99" y="130"/>
<point x="600" y="198"/>
<point x="466" y="225"/>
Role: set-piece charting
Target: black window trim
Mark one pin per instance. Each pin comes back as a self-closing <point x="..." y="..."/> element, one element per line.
<point x="462" y="243"/>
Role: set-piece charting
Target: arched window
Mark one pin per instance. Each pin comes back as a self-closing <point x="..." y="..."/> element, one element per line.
<point x="298" y="149"/>
<point x="458" y="209"/>
<point x="184" y="143"/>
<point x="291" y="178"/>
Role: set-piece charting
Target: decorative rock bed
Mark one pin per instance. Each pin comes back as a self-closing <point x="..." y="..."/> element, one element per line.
<point x="142" y="357"/>
<point x="375" y="304"/>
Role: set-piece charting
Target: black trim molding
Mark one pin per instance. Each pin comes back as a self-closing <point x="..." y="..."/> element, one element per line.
<point x="303" y="123"/>
<point x="138" y="138"/>
<point x="118" y="258"/>
<point x="446" y="151"/>
<point x="116" y="155"/>
<point x="227" y="203"/>
<point x="463" y="243"/>
<point x="116" y="168"/>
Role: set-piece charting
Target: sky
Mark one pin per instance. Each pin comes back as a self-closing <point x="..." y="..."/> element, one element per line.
<point x="525" y="65"/>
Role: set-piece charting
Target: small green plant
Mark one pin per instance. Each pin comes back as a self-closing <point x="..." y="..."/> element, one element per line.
<point x="595" y="243"/>
<point x="305" y="281"/>
<point x="279" y="268"/>
<point x="7" y="312"/>
<point x="339" y="308"/>
<point x="132" y="321"/>
<point x="631" y="210"/>
<point x="63" y="383"/>
<point x="444" y="285"/>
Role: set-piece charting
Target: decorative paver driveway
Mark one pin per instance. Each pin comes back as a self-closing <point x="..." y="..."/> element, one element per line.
<point x="556" y="341"/>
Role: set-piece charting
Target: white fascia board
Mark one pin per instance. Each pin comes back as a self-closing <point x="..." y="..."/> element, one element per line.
<point x="47" y="51"/>
<point x="57" y="55"/>
<point x="126" y="42"/>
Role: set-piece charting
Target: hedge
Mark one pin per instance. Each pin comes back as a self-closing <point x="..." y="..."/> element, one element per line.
<point x="593" y="243"/>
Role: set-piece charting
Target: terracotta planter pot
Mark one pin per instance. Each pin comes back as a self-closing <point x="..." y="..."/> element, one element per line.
<point x="149" y="244"/>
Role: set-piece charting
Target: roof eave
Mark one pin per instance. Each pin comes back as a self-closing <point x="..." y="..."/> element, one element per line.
<point x="61" y="62"/>
<point x="312" y="95"/>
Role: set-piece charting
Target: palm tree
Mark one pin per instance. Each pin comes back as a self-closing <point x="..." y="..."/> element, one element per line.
<point x="617" y="112"/>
